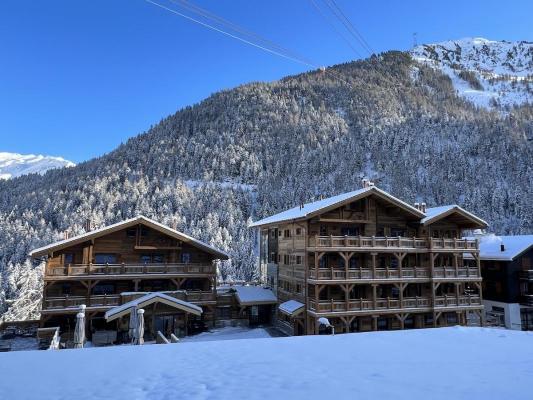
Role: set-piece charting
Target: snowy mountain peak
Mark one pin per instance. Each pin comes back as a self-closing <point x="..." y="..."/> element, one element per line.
<point x="489" y="73"/>
<point x="13" y="164"/>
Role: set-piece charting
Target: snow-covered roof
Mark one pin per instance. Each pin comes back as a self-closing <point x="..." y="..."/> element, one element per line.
<point x="309" y="209"/>
<point x="250" y="295"/>
<point x="435" y="213"/>
<point x="42" y="251"/>
<point x="490" y="247"/>
<point x="291" y="307"/>
<point x="155" y="297"/>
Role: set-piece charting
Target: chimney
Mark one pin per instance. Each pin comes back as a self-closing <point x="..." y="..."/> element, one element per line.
<point x="502" y="247"/>
<point x="417" y="206"/>
<point x="65" y="235"/>
<point x="423" y="207"/>
<point x="88" y="224"/>
<point x="364" y="183"/>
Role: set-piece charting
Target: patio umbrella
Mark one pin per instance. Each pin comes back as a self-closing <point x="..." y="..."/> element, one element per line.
<point x="133" y="324"/>
<point x="79" y="331"/>
<point x="139" y="339"/>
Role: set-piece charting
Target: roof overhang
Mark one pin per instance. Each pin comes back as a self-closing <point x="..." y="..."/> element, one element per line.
<point x="460" y="215"/>
<point x="292" y="308"/>
<point x="373" y="190"/>
<point x="151" y="298"/>
<point x="44" y="251"/>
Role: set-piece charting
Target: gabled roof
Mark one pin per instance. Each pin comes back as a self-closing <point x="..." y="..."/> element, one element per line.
<point x="514" y="246"/>
<point x="42" y="251"/>
<point x="291" y="308"/>
<point x="434" y="214"/>
<point x="146" y="300"/>
<point x="252" y="295"/>
<point x="317" y="207"/>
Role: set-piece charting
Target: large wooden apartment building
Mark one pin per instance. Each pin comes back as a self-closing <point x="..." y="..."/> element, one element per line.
<point x="115" y="265"/>
<point x="366" y="260"/>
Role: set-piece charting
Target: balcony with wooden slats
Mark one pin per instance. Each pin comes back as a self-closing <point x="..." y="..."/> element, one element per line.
<point x="104" y="302"/>
<point x="369" y="306"/>
<point x="100" y="271"/>
<point x="375" y="243"/>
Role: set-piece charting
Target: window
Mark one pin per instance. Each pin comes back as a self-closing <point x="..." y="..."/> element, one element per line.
<point x="298" y="288"/>
<point x="435" y="234"/>
<point x="323" y="230"/>
<point x="131" y="232"/>
<point x="323" y="263"/>
<point x="68" y="258"/>
<point x="299" y="260"/>
<point x="451" y="318"/>
<point x="152" y="258"/>
<point x="105" y="258"/>
<point x="397" y="232"/>
<point x="298" y="231"/>
<point x="103" y="288"/>
<point x="286" y="259"/>
<point x="349" y="231"/>
<point x="185" y="258"/>
<point x="287" y="233"/>
<point x="273" y="233"/>
<point x="353" y="262"/>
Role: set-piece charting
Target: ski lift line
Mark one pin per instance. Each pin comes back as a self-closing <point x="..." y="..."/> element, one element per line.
<point x="206" y="25"/>
<point x="233" y="26"/>
<point x="315" y="5"/>
<point x="358" y="35"/>
<point x="348" y="25"/>
<point x="231" y="35"/>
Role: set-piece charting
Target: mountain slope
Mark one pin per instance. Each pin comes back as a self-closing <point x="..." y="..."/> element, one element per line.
<point x="13" y="164"/>
<point x="488" y="73"/>
<point x="263" y="147"/>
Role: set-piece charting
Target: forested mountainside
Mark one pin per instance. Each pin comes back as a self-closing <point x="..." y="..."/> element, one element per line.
<point x="244" y="153"/>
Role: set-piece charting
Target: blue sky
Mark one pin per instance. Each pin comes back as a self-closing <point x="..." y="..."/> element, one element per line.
<point x="77" y="78"/>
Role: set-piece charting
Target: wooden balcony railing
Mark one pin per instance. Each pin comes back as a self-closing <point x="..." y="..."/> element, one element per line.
<point x="368" y="304"/>
<point x="454" y="301"/>
<point x="111" y="300"/>
<point x="452" y="272"/>
<point x="366" y="273"/>
<point x="373" y="242"/>
<point x="193" y="296"/>
<point x="527" y="300"/>
<point x="527" y="275"/>
<point x="129" y="269"/>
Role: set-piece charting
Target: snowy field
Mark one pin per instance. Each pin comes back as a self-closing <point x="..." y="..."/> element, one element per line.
<point x="448" y="363"/>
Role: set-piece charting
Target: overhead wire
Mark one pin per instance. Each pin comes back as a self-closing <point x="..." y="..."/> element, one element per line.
<point x="278" y="50"/>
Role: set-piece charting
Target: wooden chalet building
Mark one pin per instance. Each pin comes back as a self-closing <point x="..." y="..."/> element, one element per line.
<point x="366" y="260"/>
<point x="507" y="272"/>
<point x="109" y="267"/>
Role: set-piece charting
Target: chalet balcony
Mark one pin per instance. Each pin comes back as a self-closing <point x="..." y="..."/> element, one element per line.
<point x="390" y="243"/>
<point x="366" y="273"/>
<point x="527" y="300"/>
<point x="527" y="275"/>
<point x="457" y="301"/>
<point x="393" y="274"/>
<point x="113" y="300"/>
<point x="83" y="270"/>
<point x="367" y="305"/>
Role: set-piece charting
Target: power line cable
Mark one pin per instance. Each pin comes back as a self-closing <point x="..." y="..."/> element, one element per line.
<point x="250" y="42"/>
<point x="330" y="23"/>
<point x="348" y="25"/>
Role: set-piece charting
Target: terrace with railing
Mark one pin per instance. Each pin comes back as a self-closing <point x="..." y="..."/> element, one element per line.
<point x="96" y="270"/>
<point x="393" y="304"/>
<point x="106" y="301"/>
<point x="395" y="274"/>
<point x="391" y="243"/>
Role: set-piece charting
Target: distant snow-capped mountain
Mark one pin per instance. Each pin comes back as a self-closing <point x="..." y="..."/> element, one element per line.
<point x="486" y="72"/>
<point x="13" y="164"/>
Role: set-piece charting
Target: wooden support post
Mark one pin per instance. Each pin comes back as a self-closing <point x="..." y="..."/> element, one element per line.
<point x="373" y="264"/>
<point x="374" y="295"/>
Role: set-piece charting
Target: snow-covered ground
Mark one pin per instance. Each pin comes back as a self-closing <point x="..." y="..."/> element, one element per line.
<point x="448" y="363"/>
<point x="13" y="164"/>
<point x="229" y="333"/>
<point x="503" y="69"/>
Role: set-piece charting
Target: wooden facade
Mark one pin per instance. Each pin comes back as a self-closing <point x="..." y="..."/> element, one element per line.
<point x="372" y="262"/>
<point x="109" y="267"/>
